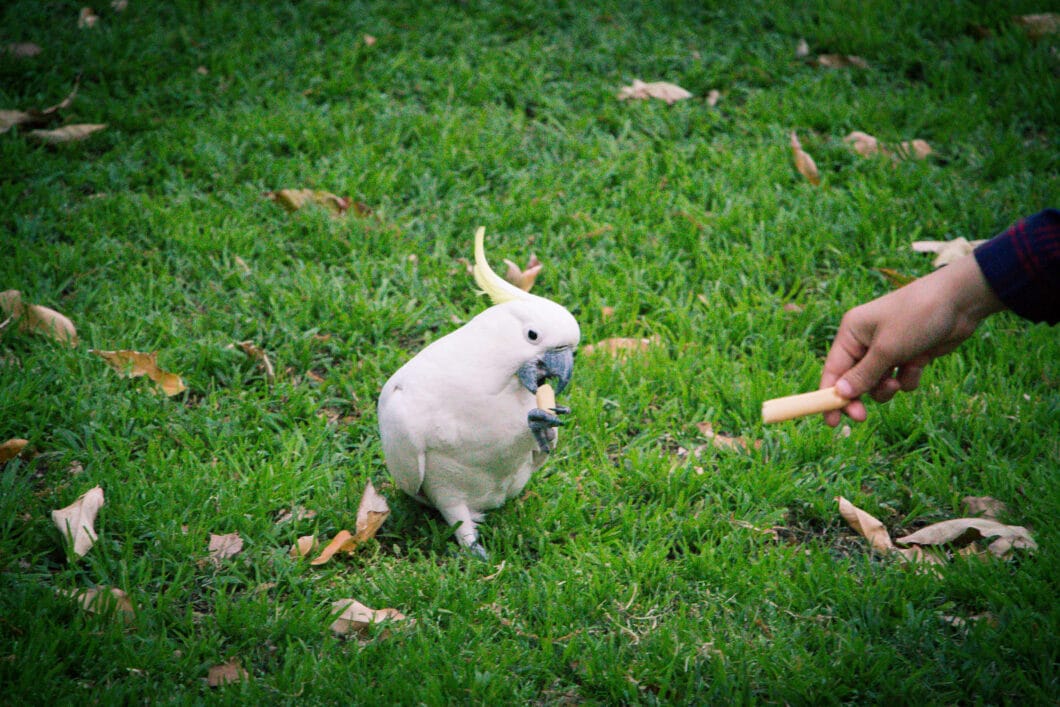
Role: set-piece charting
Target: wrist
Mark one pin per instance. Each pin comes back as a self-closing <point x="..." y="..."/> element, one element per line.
<point x="968" y="290"/>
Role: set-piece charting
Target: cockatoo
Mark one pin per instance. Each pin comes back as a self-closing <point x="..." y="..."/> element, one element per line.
<point x="459" y="423"/>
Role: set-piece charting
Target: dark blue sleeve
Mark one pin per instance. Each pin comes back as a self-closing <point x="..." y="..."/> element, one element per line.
<point x="1022" y="266"/>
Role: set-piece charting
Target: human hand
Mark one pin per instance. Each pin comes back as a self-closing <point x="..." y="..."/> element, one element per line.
<point x="883" y="346"/>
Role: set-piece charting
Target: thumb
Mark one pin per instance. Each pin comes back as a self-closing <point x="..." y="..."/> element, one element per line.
<point x="863" y="377"/>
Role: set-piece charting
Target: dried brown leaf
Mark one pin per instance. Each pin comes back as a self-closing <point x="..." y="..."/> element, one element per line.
<point x="864" y="144"/>
<point x="984" y="506"/>
<point x="258" y="354"/>
<point x="1039" y="25"/>
<point x="841" y="61"/>
<point x="523" y="278"/>
<point x="721" y="441"/>
<point x="12" y="448"/>
<point x="305" y="545"/>
<point x="369" y="40"/>
<point x="919" y="149"/>
<point x="23" y="50"/>
<point x="620" y="347"/>
<point x="87" y="19"/>
<point x="67" y="133"/>
<point x="224" y="546"/>
<point x="76" y="521"/>
<point x="226" y="673"/>
<point x="37" y="318"/>
<point x="802" y="49"/>
<point x="607" y="311"/>
<point x="713" y="96"/>
<point x="897" y="279"/>
<point x="11" y="118"/>
<point x="962" y="531"/>
<point x="343" y="541"/>
<point x="355" y="617"/>
<point x="372" y="511"/>
<point x="119" y="5"/>
<point x="297" y="513"/>
<point x="104" y="600"/>
<point x="803" y="162"/>
<point x="133" y="364"/>
<point x="866" y="525"/>
<point x="663" y="90"/>
<point x="295" y="199"/>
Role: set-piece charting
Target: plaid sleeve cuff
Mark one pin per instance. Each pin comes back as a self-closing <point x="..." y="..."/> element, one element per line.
<point x="1022" y="266"/>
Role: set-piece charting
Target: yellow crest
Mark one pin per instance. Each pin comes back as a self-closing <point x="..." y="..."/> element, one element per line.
<point x="499" y="289"/>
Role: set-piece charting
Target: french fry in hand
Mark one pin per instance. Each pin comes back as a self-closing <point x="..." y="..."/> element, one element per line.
<point x="792" y="406"/>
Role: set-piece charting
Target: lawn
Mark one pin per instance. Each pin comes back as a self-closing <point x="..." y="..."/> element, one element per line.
<point x="631" y="570"/>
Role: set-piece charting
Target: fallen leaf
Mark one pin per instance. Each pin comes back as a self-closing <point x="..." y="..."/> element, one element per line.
<point x="133" y="364"/>
<point x="304" y="546"/>
<point x="864" y="144"/>
<point x="1040" y="25"/>
<point x="258" y="354"/>
<point x="866" y="525"/>
<point x="803" y="162"/>
<point x="12" y="448"/>
<point x="894" y="277"/>
<point x="664" y="91"/>
<point x="226" y="673"/>
<point x="369" y="40"/>
<point x="297" y="513"/>
<point x="914" y="148"/>
<point x="11" y="118"/>
<point x="713" y="97"/>
<point x="23" y="50"/>
<point x="67" y="133"/>
<point x="523" y="279"/>
<point x="721" y="441"/>
<point x="119" y="5"/>
<point x="946" y="251"/>
<point x="76" y="521"/>
<point x="104" y="600"/>
<point x="37" y="318"/>
<point x="343" y="541"/>
<point x="841" y="61"/>
<point x="984" y="506"/>
<point x="371" y="512"/>
<point x="224" y="546"/>
<point x="607" y="311"/>
<point x="295" y="199"/>
<point x="793" y="307"/>
<point x="962" y="531"/>
<point x="619" y="347"/>
<point x="355" y="617"/>
<point x="87" y="19"/>
<point x="802" y="49"/>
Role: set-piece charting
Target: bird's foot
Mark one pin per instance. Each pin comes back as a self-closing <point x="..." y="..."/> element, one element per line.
<point x="542" y="424"/>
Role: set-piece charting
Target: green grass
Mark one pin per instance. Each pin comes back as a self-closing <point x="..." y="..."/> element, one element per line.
<point x="630" y="575"/>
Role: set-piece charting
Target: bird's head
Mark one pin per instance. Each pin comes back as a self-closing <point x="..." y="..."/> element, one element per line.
<point x="540" y="335"/>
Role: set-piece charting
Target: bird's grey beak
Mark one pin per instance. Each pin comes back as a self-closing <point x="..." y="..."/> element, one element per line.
<point x="557" y="364"/>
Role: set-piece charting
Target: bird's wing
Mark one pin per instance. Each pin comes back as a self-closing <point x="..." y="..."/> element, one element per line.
<point x="402" y="438"/>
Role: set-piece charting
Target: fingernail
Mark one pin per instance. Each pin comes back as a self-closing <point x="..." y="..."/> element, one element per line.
<point x="844" y="388"/>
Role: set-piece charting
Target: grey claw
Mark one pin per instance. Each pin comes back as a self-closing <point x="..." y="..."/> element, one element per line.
<point x="479" y="551"/>
<point x="541" y="422"/>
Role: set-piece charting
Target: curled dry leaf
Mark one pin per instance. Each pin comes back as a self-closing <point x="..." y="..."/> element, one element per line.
<point x="23" y="50"/>
<point x="841" y="61"/>
<point x="104" y="600"/>
<point x="76" y="521"/>
<point x="87" y="19"/>
<point x="295" y="514"/>
<point x="802" y="49"/>
<point x="803" y="162"/>
<point x="371" y="512"/>
<point x="258" y="354"/>
<point x="919" y="149"/>
<point x="963" y="531"/>
<point x="619" y="347"/>
<point x="342" y="542"/>
<point x="663" y="90"/>
<point x="226" y="673"/>
<point x="67" y="133"/>
<point x="984" y="506"/>
<point x="523" y="279"/>
<point x="37" y="318"/>
<point x="133" y="364"/>
<point x="295" y="199"/>
<point x="35" y="117"/>
<point x="304" y="546"/>
<point x="12" y="448"/>
<point x="355" y="617"/>
<point x="713" y="97"/>
<point x="894" y="277"/>
<point x="11" y="118"/>
<point x="1039" y="25"/>
<point x="867" y="146"/>
<point x="866" y="525"/>
<point x="864" y="144"/>
<point x="224" y="546"/>
<point x="721" y="441"/>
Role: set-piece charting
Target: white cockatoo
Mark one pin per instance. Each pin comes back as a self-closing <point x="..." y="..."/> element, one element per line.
<point x="459" y="423"/>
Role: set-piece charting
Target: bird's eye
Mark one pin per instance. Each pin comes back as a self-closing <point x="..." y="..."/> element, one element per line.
<point x="532" y="335"/>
